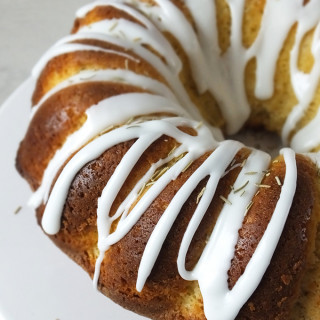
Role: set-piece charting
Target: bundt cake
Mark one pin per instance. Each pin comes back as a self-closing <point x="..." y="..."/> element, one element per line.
<point x="132" y="177"/>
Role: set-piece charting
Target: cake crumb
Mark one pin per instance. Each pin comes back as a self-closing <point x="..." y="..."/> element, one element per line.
<point x="282" y="301"/>
<point x="18" y="210"/>
<point x="251" y="306"/>
<point x="286" y="279"/>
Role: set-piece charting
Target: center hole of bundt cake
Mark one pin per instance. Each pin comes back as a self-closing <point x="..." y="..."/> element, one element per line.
<point x="260" y="139"/>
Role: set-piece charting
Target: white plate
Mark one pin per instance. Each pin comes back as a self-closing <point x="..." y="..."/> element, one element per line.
<point x="37" y="281"/>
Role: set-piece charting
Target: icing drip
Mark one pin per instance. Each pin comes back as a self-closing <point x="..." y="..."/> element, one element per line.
<point x="133" y="32"/>
<point x="305" y="87"/>
<point x="221" y="302"/>
<point x="115" y="76"/>
<point x="97" y="31"/>
<point x="206" y="58"/>
<point x="228" y="68"/>
<point x="214" y="167"/>
<point x="106" y="114"/>
<point x="148" y="131"/>
<point x="72" y="47"/>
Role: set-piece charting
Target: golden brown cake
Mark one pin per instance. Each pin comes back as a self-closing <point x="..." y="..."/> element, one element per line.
<point x="133" y="180"/>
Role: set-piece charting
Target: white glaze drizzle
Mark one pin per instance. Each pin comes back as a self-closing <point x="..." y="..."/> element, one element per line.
<point x="72" y="47"/>
<point x="212" y="167"/>
<point x="312" y="131"/>
<point x="305" y="86"/>
<point x="123" y="28"/>
<point x="227" y="84"/>
<point x="228" y="69"/>
<point x="223" y="303"/>
<point x="96" y="30"/>
<point x="223" y="76"/>
<point x="115" y="76"/>
<point x="167" y="17"/>
<point x="257" y="162"/>
<point x="146" y="130"/>
<point x="109" y="112"/>
<point x="170" y="74"/>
